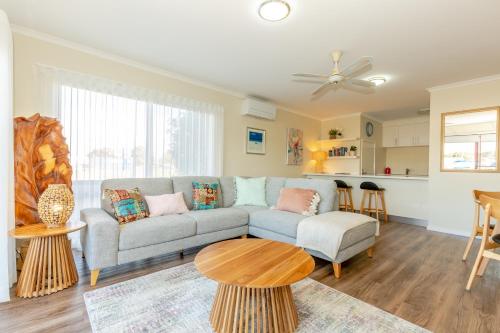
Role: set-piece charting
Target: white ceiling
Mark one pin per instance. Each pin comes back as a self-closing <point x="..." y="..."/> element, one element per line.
<point x="416" y="44"/>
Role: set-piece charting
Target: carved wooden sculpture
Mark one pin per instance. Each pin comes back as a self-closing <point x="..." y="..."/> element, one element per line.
<point x="41" y="158"/>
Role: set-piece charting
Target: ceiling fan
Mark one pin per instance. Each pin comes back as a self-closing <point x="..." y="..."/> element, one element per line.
<point x="345" y="78"/>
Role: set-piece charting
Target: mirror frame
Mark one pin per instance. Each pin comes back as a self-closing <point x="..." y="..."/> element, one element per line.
<point x="441" y="152"/>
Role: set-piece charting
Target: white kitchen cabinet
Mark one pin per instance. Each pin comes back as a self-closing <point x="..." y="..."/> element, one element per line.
<point x="390" y="136"/>
<point x="422" y="134"/>
<point x="406" y="135"/>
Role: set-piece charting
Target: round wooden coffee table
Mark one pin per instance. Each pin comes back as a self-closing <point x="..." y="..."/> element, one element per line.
<point x="254" y="277"/>
<point x="49" y="265"/>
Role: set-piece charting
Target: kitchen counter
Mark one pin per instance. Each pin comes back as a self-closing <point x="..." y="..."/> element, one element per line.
<point x="405" y="197"/>
<point x="380" y="176"/>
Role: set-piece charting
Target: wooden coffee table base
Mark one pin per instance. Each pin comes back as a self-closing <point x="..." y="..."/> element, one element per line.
<point x="48" y="267"/>
<point x="241" y="309"/>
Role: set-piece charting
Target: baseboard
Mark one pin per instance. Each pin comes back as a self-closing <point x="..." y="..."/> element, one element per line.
<point x="408" y="220"/>
<point x="448" y="231"/>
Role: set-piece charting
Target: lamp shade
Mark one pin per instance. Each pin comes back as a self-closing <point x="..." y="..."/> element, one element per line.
<point x="319" y="155"/>
<point x="55" y="205"/>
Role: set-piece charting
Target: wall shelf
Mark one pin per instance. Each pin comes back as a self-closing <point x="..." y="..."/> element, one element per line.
<point x="343" y="157"/>
<point x="339" y="140"/>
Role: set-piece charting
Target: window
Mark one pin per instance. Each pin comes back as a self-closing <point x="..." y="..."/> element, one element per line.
<point x="470" y="140"/>
<point x="118" y="131"/>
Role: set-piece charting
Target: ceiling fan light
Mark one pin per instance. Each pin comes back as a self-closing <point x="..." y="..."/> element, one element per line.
<point x="377" y="80"/>
<point x="274" y="10"/>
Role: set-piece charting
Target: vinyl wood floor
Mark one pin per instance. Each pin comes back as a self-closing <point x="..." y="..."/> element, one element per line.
<point x="415" y="274"/>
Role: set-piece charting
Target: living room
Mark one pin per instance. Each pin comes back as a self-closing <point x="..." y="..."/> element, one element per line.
<point x="270" y="166"/>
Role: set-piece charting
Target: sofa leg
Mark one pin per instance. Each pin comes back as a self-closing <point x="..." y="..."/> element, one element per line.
<point x="370" y="252"/>
<point x="182" y="254"/>
<point x="83" y="255"/>
<point x="94" y="274"/>
<point x="244" y="236"/>
<point x="337" y="268"/>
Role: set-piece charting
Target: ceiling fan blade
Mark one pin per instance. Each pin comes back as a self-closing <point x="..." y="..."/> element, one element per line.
<point x="362" y="65"/>
<point x="348" y="85"/>
<point x="362" y="83"/>
<point x="322" y="88"/>
<point x="310" y="75"/>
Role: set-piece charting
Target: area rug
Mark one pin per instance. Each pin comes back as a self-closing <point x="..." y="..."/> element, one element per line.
<point x="179" y="300"/>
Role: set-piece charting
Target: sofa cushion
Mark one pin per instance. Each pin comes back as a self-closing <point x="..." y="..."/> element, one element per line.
<point x="273" y="187"/>
<point x="205" y="195"/>
<point x="227" y="189"/>
<point x="284" y="223"/>
<point x="218" y="219"/>
<point x="251" y="209"/>
<point x="185" y="185"/>
<point x="128" y="205"/>
<point x="147" y="186"/>
<point x="250" y="191"/>
<point x="156" y="230"/>
<point x="326" y="189"/>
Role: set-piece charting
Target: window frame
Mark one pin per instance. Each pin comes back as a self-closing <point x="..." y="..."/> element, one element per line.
<point x="443" y="116"/>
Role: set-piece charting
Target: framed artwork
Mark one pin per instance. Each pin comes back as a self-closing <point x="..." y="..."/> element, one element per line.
<point x="295" y="146"/>
<point x="256" y="141"/>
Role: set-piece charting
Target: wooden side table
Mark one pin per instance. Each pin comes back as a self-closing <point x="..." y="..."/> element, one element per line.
<point x="49" y="265"/>
<point x="254" y="277"/>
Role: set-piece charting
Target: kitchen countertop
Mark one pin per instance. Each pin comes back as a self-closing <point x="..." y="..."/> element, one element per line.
<point x="380" y="176"/>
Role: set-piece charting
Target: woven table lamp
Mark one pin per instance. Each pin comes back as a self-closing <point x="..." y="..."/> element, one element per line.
<point x="55" y="205"/>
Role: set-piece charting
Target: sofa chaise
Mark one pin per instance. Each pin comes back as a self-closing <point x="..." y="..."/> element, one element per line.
<point x="106" y="243"/>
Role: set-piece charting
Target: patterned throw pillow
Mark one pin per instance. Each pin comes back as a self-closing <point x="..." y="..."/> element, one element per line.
<point x="128" y="205"/>
<point x="205" y="195"/>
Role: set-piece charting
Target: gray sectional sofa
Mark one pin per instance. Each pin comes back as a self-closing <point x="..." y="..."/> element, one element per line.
<point x="106" y="243"/>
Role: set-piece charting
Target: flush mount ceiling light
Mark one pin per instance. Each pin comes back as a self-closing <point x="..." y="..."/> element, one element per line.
<point x="274" y="10"/>
<point x="377" y="80"/>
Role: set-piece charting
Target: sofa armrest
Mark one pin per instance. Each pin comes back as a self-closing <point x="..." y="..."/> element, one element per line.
<point x="100" y="238"/>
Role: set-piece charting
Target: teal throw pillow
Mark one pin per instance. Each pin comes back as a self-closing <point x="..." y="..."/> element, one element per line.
<point x="205" y="195"/>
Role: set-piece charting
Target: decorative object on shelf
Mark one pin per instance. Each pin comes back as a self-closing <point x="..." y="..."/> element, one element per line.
<point x="55" y="205"/>
<point x="256" y="141"/>
<point x="334" y="133"/>
<point x="295" y="146"/>
<point x="319" y="156"/>
<point x="387" y="170"/>
<point x="352" y="151"/>
<point x="369" y="128"/>
<point x="40" y="158"/>
<point x="339" y="151"/>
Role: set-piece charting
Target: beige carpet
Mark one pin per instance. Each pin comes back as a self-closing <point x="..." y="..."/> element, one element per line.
<point x="179" y="300"/>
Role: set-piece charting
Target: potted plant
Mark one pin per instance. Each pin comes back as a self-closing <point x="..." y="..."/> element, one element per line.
<point x="352" y="151"/>
<point x="334" y="133"/>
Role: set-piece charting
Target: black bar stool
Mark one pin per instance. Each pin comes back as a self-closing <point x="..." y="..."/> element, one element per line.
<point x="344" y="192"/>
<point x="370" y="190"/>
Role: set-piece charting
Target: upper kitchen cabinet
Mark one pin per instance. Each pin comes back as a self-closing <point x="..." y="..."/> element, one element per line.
<point x="406" y="133"/>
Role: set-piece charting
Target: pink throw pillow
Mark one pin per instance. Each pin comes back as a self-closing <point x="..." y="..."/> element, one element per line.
<point x="166" y="204"/>
<point x="298" y="200"/>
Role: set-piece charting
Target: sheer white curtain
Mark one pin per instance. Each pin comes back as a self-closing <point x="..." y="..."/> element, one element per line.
<point x="118" y="131"/>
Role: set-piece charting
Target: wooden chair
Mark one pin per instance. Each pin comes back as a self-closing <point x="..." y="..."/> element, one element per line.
<point x="371" y="190"/>
<point x="486" y="252"/>
<point x="344" y="194"/>
<point x="477" y="228"/>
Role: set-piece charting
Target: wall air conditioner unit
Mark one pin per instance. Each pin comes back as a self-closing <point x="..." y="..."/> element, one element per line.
<point x="256" y="108"/>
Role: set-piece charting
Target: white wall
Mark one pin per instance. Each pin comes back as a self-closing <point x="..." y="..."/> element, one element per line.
<point x="7" y="255"/>
<point x="450" y="193"/>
